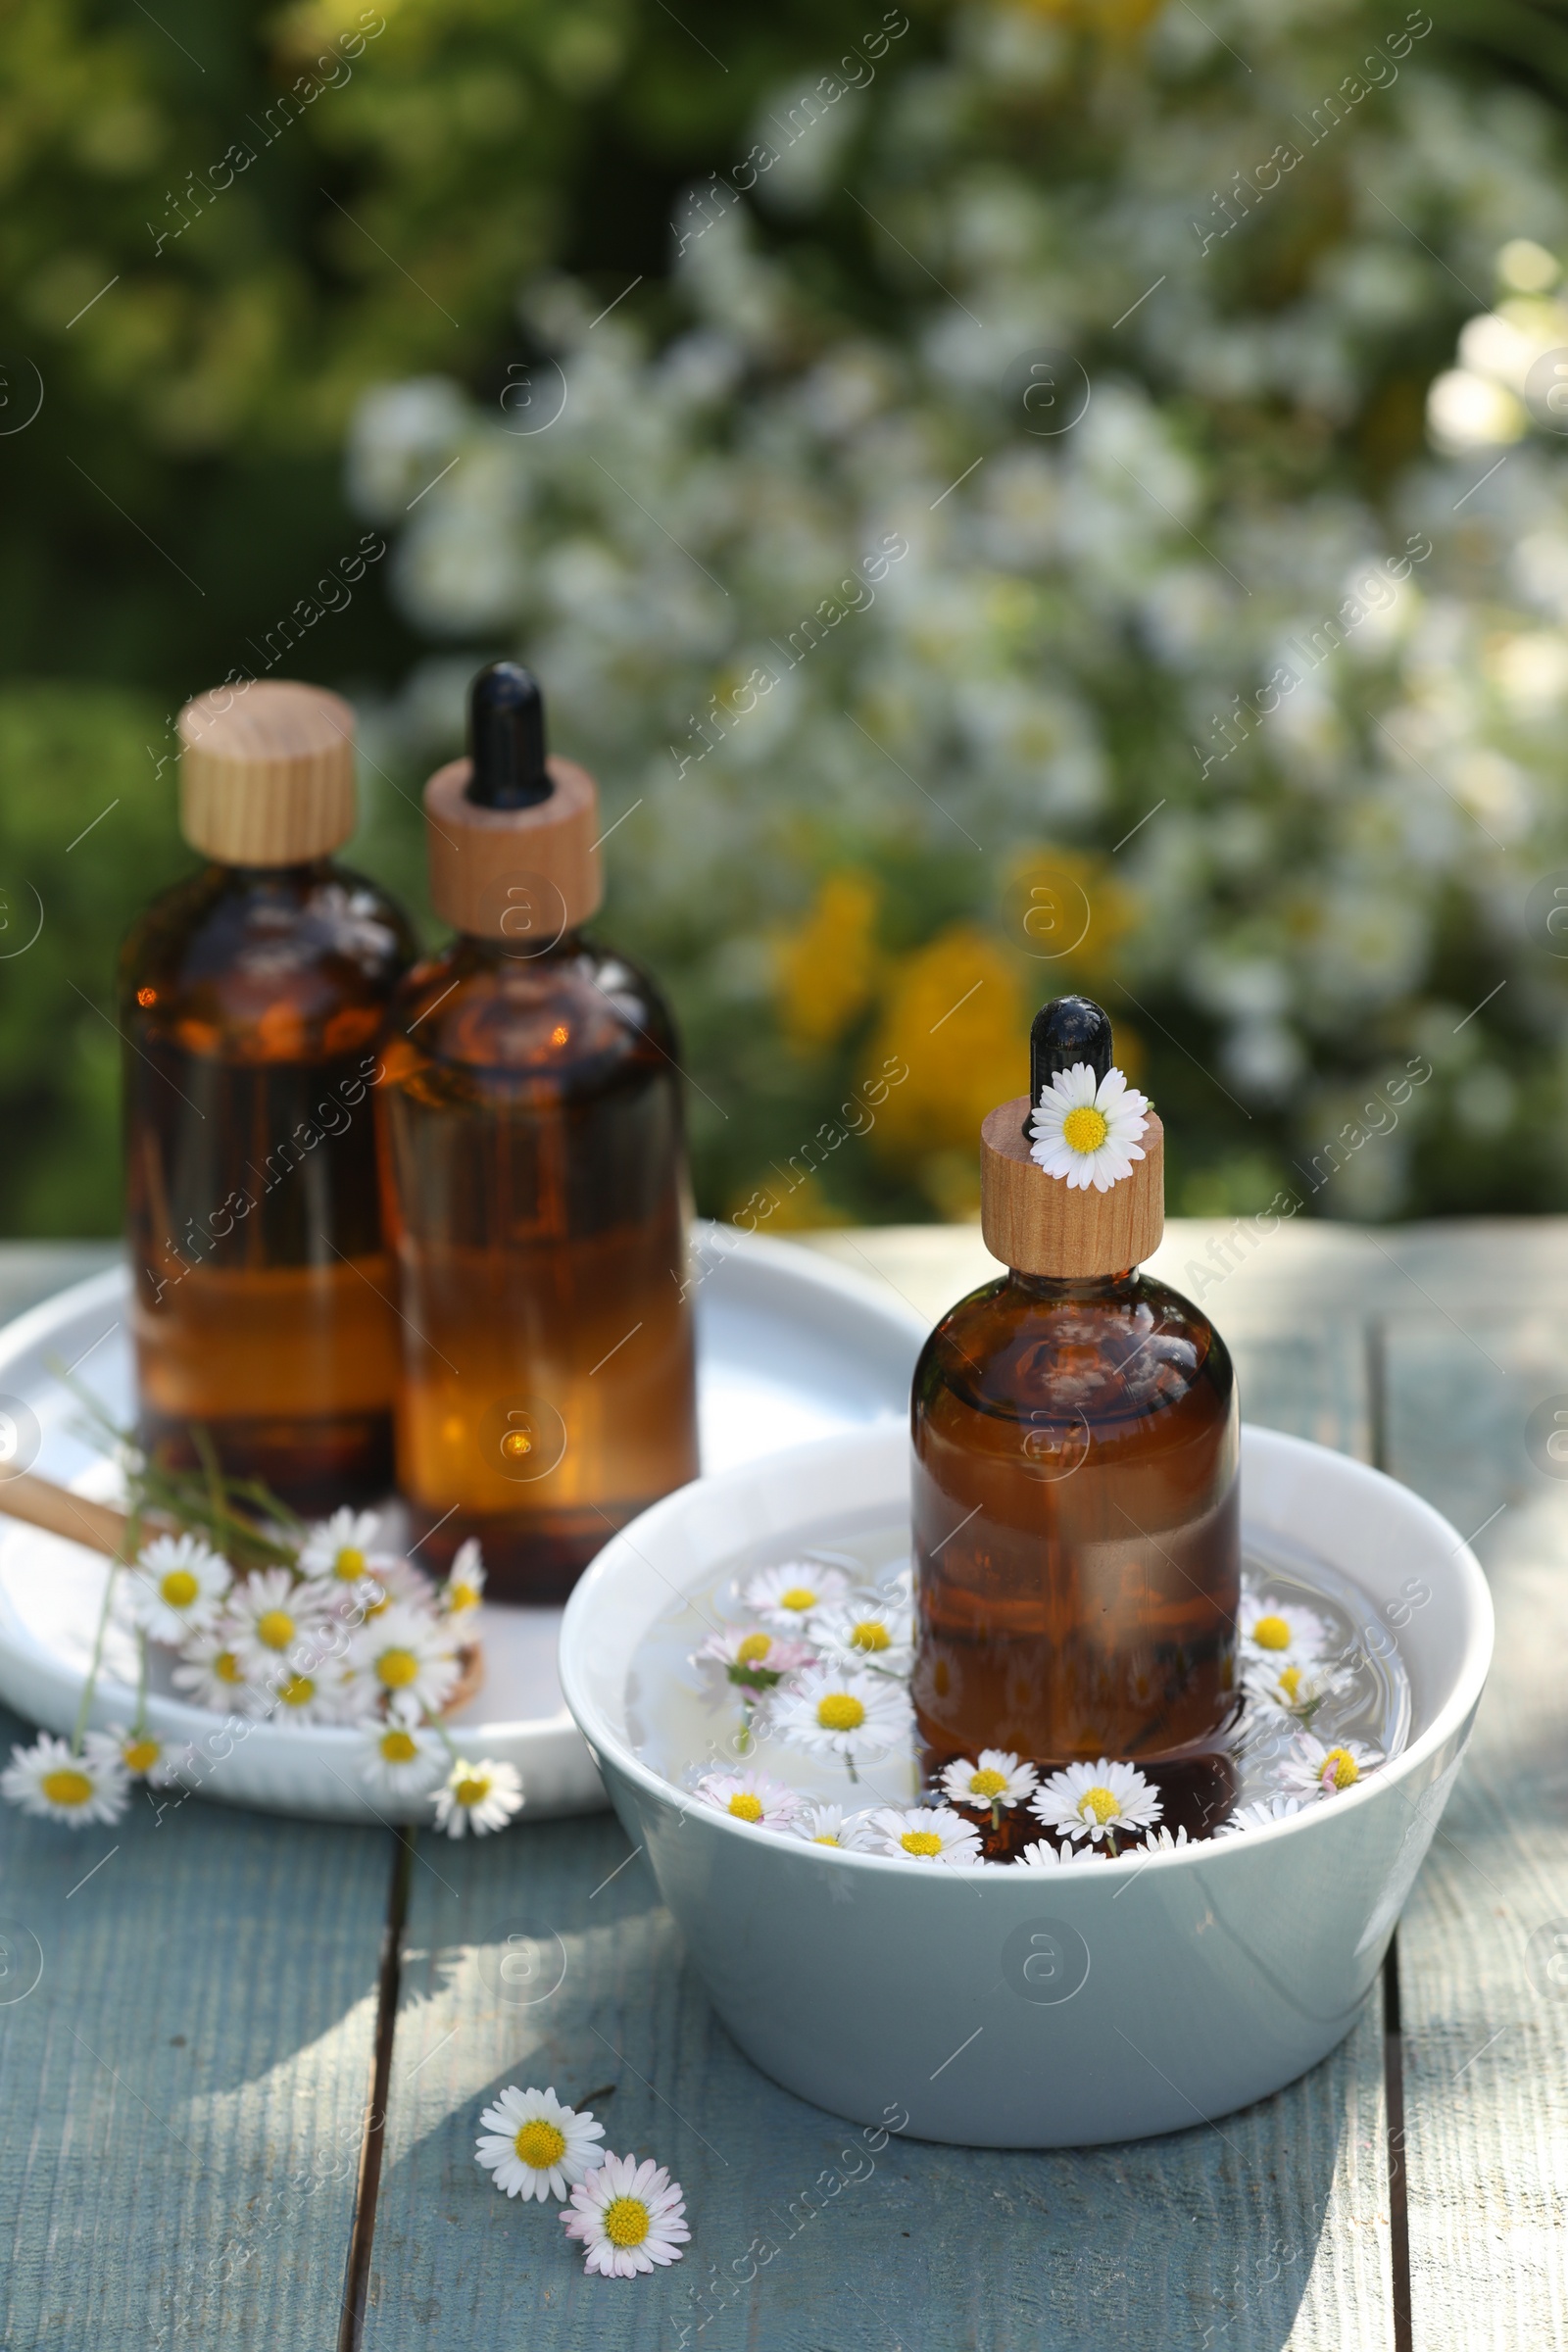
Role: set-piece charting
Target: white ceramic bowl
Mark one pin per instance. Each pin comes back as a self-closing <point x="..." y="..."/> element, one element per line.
<point x="995" y="2007"/>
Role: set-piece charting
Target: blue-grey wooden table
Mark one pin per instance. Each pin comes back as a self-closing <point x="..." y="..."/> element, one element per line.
<point x="238" y="2106"/>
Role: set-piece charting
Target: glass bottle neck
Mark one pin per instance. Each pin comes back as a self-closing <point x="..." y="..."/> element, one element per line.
<point x="478" y="955"/>
<point x="1049" y="1287"/>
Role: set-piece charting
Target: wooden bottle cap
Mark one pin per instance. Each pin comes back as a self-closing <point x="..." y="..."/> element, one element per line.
<point x="266" y="773"/>
<point x="526" y="875"/>
<point x="1036" y="1224"/>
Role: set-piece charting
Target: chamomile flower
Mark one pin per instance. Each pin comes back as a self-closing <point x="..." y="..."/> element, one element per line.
<point x="1088" y="1132"/>
<point x="343" y="1548"/>
<point x="1297" y="1691"/>
<point x="833" y="1712"/>
<point x="177" y="1586"/>
<point x="925" y="1834"/>
<point x="481" y="1797"/>
<point x="750" y="1796"/>
<point x="1262" y="1813"/>
<point x="404" y="1649"/>
<point x="629" y="2215"/>
<point x="830" y="1825"/>
<point x="210" y="1669"/>
<point x="268" y="1614"/>
<point x="1097" y="1800"/>
<point x="536" y="2147"/>
<point x="141" y="1755"/>
<point x="48" y="1780"/>
<point x="876" y="1633"/>
<point x="753" y="1661"/>
<point x="463" y="1589"/>
<point x="1042" y="1855"/>
<point x="788" y="1597"/>
<point x="291" y="1694"/>
<point x="1165" y="1842"/>
<point x="994" y="1786"/>
<point x="1313" y="1770"/>
<point x="1277" y="1633"/>
<point x="400" y="1757"/>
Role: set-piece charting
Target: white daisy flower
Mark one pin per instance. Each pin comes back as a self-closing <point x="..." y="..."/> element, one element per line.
<point x="750" y="1796"/>
<point x="753" y="1661"/>
<point x="1086" y="1133"/>
<point x="1313" y="1770"/>
<point x="343" y="1548"/>
<point x="1297" y="1691"/>
<point x="48" y="1780"/>
<point x="868" y="1633"/>
<point x="292" y="1695"/>
<point x="1042" y="1855"/>
<point x="830" y="1825"/>
<point x="348" y="1697"/>
<point x="480" y="1796"/>
<point x="465" y="1586"/>
<point x="830" y="1711"/>
<point x="404" y="1649"/>
<point x="269" y="1613"/>
<point x="1095" y="1800"/>
<point x="994" y="1786"/>
<point x="141" y="1755"/>
<point x="1260" y="1814"/>
<point x="925" y="1834"/>
<point x="1277" y="1633"/>
<point x="400" y="1757"/>
<point x="536" y="2147"/>
<point x="210" y="1669"/>
<point x="629" y="2215"/>
<point x="786" y="1598"/>
<point x="177" y="1586"/>
<point x="1165" y="1842"/>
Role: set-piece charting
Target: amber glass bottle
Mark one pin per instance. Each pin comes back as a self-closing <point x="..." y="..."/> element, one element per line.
<point x="534" y="1179"/>
<point x="1075" y="1499"/>
<point x="251" y="997"/>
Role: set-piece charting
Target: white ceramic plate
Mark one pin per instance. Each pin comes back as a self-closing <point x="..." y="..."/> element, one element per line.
<point x="789" y="1347"/>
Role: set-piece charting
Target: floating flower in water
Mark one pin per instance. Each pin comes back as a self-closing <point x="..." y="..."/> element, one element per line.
<point x="49" y="1781"/>
<point x="210" y="1669"/>
<point x="1277" y="1633"/>
<point x="753" y="1661"/>
<point x="536" y="2147"/>
<point x="268" y="1613"/>
<point x="177" y="1586"/>
<point x="629" y="2215"/>
<point x="830" y="1825"/>
<point x="750" y="1796"/>
<point x="925" y="1834"/>
<point x="406" y="1651"/>
<point x="1294" y="1689"/>
<point x="399" y="1757"/>
<point x="873" y="1632"/>
<point x="1165" y="1842"/>
<point x="481" y="1797"/>
<point x="1313" y="1770"/>
<point x="1042" y="1855"/>
<point x="1262" y="1813"/>
<point x="788" y="1597"/>
<point x="465" y="1586"/>
<point x="1085" y="1131"/>
<point x="141" y="1755"/>
<point x="833" y="1712"/>
<point x="995" y="1785"/>
<point x="1096" y="1801"/>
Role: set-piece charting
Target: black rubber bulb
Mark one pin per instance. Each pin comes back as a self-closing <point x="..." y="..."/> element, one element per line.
<point x="1067" y="1030"/>
<point x="507" y="738"/>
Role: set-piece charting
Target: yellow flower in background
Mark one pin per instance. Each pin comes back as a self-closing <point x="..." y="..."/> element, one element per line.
<point x="1070" y="914"/>
<point x="956" y="1013"/>
<point x="827" y="968"/>
<point x="1113" y="21"/>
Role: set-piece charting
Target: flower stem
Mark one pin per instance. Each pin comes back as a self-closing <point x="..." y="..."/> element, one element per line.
<point x="132" y="1544"/>
<point x="141" y="1686"/>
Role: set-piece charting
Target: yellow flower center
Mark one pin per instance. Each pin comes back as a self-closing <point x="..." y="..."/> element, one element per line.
<point x="276" y="1627"/>
<point x="66" y="1787"/>
<point x="745" y="1806"/>
<point x="397" y="1668"/>
<point x="988" y="1784"/>
<point x="399" y="1747"/>
<point x="754" y="1649"/>
<point x="799" y="1596"/>
<point x="225" y="1667"/>
<point x="840" y="1712"/>
<point x="349" y="1564"/>
<point x="1339" y="1768"/>
<point x="540" y="2144"/>
<point x="140" y="1755"/>
<point x="297" y="1691"/>
<point x="461" y="1596"/>
<point x="870" y="1634"/>
<point x="626" y="2221"/>
<point x="925" y="1844"/>
<point x="824" y="1838"/>
<point x="1084" y="1129"/>
<point x="473" y="1791"/>
<point x="178" y="1588"/>
<point x="1271" y="1632"/>
<point x="1289" y="1680"/>
<point x="1098" y="1805"/>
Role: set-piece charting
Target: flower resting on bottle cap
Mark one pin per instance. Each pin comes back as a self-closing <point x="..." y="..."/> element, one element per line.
<point x="1088" y="1131"/>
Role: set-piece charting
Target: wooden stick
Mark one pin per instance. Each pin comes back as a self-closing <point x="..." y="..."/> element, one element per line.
<point x="43" y="1504"/>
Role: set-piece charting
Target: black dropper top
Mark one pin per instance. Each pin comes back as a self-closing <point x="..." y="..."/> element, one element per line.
<point x="1067" y="1030"/>
<point x="507" y="738"/>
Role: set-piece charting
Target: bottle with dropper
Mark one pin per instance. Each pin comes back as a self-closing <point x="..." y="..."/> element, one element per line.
<point x="533" y="1175"/>
<point x="1075" y="1494"/>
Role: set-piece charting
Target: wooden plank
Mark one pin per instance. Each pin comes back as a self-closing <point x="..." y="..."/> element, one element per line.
<point x="183" y="2092"/>
<point x="1483" y="1987"/>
